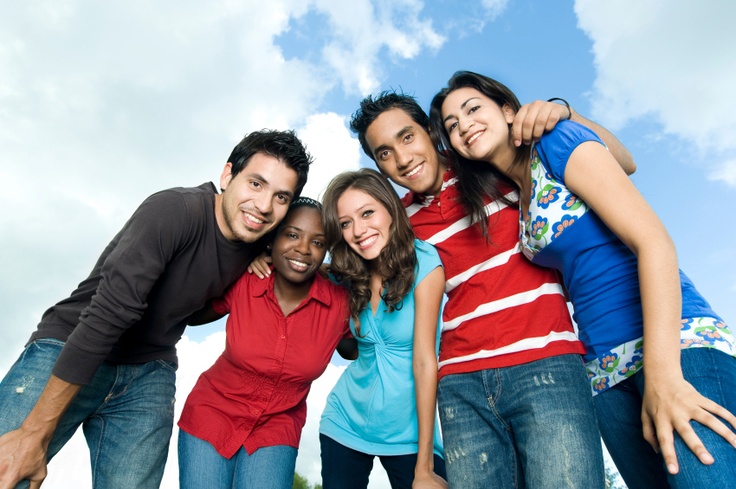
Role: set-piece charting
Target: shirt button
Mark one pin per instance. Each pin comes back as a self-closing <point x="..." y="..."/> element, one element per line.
<point x="283" y="337"/>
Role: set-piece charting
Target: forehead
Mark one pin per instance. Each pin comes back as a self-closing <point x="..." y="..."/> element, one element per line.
<point x="390" y="126"/>
<point x="304" y="217"/>
<point x="353" y="199"/>
<point x="458" y="97"/>
<point x="272" y="169"/>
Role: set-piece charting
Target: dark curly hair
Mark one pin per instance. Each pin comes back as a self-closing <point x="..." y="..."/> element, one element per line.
<point x="396" y="263"/>
<point x="282" y="145"/>
<point x="477" y="181"/>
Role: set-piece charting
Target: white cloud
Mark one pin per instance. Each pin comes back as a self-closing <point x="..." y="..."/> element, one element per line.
<point x="363" y="32"/>
<point x="672" y="61"/>
<point x="334" y="149"/>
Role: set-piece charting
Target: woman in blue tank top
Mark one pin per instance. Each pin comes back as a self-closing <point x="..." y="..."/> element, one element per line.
<point x="581" y="214"/>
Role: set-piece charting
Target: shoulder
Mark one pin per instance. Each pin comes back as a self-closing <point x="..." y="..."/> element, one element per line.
<point x="567" y="134"/>
<point x="427" y="257"/>
<point x="179" y="198"/>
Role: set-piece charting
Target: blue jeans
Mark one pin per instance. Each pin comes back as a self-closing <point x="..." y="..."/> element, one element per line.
<point x="126" y="412"/>
<point x="713" y="374"/>
<point x="345" y="468"/>
<point x="525" y="426"/>
<point x="201" y="466"/>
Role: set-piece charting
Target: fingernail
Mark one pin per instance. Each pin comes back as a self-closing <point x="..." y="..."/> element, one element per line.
<point x="671" y="468"/>
<point x="517" y="143"/>
<point x="706" y="458"/>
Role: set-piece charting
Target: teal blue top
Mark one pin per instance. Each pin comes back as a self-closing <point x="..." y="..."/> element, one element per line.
<point x="372" y="408"/>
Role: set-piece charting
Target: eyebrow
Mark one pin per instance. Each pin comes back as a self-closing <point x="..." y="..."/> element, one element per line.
<point x="297" y="228"/>
<point x="461" y="108"/>
<point x="398" y="135"/>
<point x="260" y="178"/>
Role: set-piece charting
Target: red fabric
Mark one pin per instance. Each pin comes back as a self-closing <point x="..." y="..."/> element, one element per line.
<point x="515" y="332"/>
<point x="255" y="393"/>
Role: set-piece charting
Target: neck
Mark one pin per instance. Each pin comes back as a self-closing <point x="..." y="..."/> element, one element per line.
<point x="289" y="292"/>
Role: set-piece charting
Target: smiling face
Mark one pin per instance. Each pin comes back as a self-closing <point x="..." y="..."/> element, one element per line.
<point x="254" y="201"/>
<point x="404" y="152"/>
<point x="478" y="129"/>
<point x="365" y="223"/>
<point x="299" y="248"/>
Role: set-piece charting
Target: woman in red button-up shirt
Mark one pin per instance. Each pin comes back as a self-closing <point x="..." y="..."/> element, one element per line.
<point x="241" y="423"/>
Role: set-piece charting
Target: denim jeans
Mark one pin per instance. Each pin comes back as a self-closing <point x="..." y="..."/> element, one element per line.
<point x="345" y="468"/>
<point x="126" y="412"/>
<point x="525" y="426"/>
<point x="713" y="374"/>
<point x="201" y="466"/>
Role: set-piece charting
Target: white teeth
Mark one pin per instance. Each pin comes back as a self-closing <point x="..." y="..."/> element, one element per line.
<point x="254" y="219"/>
<point x="474" y="137"/>
<point x="414" y="171"/>
<point x="298" y="264"/>
<point x="367" y="242"/>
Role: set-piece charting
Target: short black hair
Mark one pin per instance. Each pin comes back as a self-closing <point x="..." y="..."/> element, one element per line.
<point x="282" y="145"/>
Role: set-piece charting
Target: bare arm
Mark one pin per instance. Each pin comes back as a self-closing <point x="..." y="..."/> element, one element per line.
<point x="670" y="402"/>
<point x="23" y="451"/>
<point x="428" y="297"/>
<point x="534" y="119"/>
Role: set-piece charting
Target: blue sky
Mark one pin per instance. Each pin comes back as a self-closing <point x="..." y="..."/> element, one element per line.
<point x="103" y="104"/>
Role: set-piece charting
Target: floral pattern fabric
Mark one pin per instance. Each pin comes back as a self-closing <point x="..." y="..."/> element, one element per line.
<point x="552" y="210"/>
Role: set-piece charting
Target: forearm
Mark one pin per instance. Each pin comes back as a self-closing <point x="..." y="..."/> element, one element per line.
<point x="661" y="299"/>
<point x="50" y="407"/>
<point x="425" y="379"/>
<point x="618" y="150"/>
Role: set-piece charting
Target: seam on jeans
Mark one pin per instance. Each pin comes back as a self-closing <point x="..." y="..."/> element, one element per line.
<point x="95" y="460"/>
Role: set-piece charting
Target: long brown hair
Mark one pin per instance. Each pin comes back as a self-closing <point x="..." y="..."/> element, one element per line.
<point x="397" y="261"/>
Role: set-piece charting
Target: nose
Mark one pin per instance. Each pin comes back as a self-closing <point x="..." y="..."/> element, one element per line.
<point x="358" y="229"/>
<point x="264" y="202"/>
<point x="404" y="157"/>
<point x="302" y="246"/>
<point x="463" y="124"/>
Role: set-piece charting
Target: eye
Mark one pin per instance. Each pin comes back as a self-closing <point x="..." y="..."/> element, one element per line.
<point x="408" y="138"/>
<point x="344" y="224"/>
<point x="367" y="213"/>
<point x="283" y="198"/>
<point x="473" y="109"/>
<point x="318" y="243"/>
<point x="451" y="127"/>
<point x="292" y="236"/>
<point x="383" y="155"/>
<point x="255" y="184"/>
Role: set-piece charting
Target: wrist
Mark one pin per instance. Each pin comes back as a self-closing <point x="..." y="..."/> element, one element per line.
<point x="564" y="102"/>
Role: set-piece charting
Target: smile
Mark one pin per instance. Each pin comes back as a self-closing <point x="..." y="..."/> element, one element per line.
<point x="368" y="242"/>
<point x="253" y="219"/>
<point x="300" y="265"/>
<point x="413" y="172"/>
<point x="472" y="138"/>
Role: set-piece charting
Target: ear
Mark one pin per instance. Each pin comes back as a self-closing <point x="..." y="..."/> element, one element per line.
<point x="508" y="113"/>
<point x="226" y="176"/>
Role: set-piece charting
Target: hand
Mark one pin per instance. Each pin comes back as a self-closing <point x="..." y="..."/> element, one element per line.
<point x="428" y="480"/>
<point x="669" y="406"/>
<point x="534" y="119"/>
<point x="260" y="266"/>
<point x="22" y="456"/>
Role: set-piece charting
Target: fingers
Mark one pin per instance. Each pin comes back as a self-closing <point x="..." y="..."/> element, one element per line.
<point x="650" y="434"/>
<point x="534" y="119"/>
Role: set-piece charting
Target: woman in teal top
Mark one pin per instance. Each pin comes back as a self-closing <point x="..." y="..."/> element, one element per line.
<point x="384" y="404"/>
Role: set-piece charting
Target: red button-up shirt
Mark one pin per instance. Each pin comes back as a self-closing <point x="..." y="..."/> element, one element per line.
<point x="255" y="394"/>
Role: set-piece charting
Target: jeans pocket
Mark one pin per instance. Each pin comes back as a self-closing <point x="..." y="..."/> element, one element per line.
<point x="168" y="364"/>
